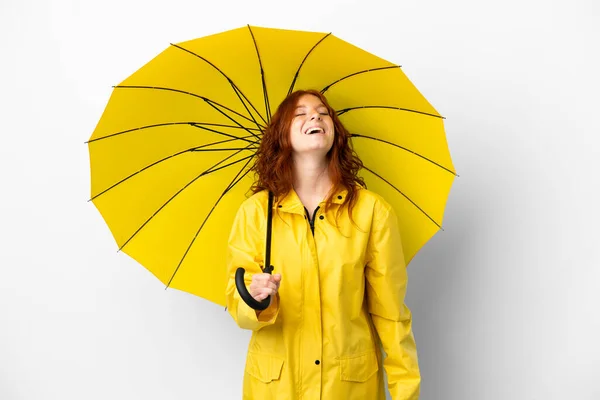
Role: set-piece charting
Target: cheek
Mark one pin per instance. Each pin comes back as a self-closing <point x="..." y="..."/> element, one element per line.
<point x="295" y="131"/>
<point x="330" y="125"/>
<point x="296" y="126"/>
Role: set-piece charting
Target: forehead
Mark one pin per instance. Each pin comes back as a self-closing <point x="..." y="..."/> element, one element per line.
<point x="308" y="100"/>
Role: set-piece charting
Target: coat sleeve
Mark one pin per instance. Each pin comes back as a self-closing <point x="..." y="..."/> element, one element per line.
<point x="386" y="280"/>
<point x="244" y="250"/>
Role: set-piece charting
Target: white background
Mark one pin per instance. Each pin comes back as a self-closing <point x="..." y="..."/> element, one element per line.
<point x="505" y="300"/>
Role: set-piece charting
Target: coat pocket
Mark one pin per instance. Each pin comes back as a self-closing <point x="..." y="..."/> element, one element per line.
<point x="359" y="367"/>
<point x="264" y="367"/>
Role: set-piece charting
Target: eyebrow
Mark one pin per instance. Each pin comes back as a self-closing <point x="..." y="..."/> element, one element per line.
<point x="319" y="106"/>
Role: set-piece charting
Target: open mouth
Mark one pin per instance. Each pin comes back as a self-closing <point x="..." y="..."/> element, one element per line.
<point x="312" y="131"/>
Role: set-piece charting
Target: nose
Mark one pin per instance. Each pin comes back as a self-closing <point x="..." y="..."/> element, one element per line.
<point x="315" y="115"/>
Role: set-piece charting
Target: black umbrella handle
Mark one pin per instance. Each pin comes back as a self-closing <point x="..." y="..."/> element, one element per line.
<point x="240" y="283"/>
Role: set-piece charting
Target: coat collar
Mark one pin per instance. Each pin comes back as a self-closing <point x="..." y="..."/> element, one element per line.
<point x="291" y="202"/>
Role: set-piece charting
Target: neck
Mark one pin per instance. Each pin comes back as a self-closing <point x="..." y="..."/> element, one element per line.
<point x="311" y="176"/>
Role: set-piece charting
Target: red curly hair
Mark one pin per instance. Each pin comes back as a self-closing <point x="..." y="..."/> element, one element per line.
<point x="273" y="166"/>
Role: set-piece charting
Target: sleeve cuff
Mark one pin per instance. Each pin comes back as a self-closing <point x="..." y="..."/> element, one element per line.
<point x="250" y="318"/>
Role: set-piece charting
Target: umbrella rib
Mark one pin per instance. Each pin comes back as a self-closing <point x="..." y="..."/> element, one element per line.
<point x="405" y="196"/>
<point x="227" y="126"/>
<point x="234" y="181"/>
<point x="232" y="185"/>
<point x="235" y="88"/>
<point x="225" y="149"/>
<point x="245" y="138"/>
<point x="354" y="135"/>
<point x="345" y="110"/>
<point x="291" y="89"/>
<point x="262" y="76"/>
<point x="212" y="104"/>
<point x="251" y="115"/>
<point x="326" y="88"/>
<point x="208" y="171"/>
<point x="194" y="124"/>
<point x="205" y="99"/>
<point x="192" y="149"/>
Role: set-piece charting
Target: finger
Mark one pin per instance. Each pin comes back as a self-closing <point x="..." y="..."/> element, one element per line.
<point x="259" y="283"/>
<point x="261" y="278"/>
<point x="255" y="287"/>
<point x="256" y="290"/>
<point x="259" y="295"/>
<point x="276" y="281"/>
<point x="263" y="294"/>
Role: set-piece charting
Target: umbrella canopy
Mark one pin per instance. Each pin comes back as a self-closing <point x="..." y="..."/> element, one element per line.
<point x="171" y="154"/>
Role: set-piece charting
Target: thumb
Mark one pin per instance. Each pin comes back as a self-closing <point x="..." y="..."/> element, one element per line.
<point x="277" y="277"/>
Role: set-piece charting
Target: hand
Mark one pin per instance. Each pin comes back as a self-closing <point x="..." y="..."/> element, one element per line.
<point x="264" y="285"/>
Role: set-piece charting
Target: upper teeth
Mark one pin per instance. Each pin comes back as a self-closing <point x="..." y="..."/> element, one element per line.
<point x="314" y="130"/>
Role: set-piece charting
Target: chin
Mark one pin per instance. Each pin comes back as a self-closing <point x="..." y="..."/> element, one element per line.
<point x="323" y="148"/>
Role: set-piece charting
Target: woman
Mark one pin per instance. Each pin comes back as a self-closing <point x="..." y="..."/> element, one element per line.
<point x="339" y="278"/>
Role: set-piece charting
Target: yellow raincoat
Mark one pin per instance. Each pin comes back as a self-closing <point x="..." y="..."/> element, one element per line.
<point x="342" y="290"/>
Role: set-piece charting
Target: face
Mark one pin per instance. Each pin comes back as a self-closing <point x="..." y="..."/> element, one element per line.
<point x="312" y="130"/>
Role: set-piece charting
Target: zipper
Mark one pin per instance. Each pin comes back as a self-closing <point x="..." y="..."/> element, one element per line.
<point x="311" y="221"/>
